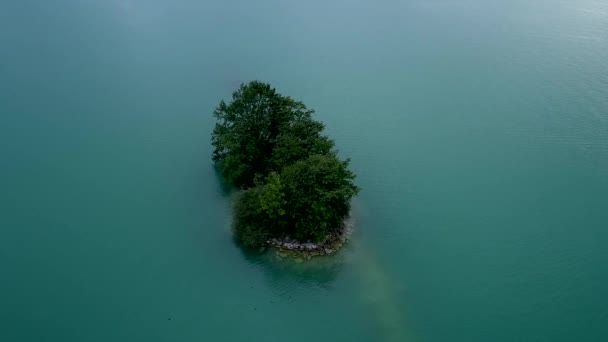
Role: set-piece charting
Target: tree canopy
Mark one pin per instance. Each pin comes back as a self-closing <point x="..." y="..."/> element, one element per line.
<point x="292" y="181"/>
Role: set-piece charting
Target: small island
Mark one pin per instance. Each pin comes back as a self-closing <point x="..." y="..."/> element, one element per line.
<point x="294" y="192"/>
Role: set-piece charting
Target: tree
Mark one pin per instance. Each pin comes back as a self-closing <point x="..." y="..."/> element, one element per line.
<point x="318" y="192"/>
<point x="259" y="212"/>
<point x="293" y="182"/>
<point x="298" y="140"/>
<point x="272" y="197"/>
<point x="250" y="224"/>
<point x="247" y="129"/>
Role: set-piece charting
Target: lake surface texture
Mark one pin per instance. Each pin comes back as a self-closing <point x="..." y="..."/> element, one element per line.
<point x="478" y="130"/>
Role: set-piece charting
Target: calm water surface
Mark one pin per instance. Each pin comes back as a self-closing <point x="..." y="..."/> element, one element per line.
<point x="478" y="129"/>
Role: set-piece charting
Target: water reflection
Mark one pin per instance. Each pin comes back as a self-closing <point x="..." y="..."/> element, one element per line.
<point x="224" y="186"/>
<point x="286" y="273"/>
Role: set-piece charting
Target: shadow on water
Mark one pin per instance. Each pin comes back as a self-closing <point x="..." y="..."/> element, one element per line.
<point x="226" y="188"/>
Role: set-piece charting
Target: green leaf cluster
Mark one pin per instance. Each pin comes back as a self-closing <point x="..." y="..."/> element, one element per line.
<point x="293" y="182"/>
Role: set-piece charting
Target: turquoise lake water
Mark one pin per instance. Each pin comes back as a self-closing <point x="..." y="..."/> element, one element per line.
<point x="478" y="130"/>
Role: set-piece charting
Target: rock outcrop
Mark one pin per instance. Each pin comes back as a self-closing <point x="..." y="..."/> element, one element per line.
<point x="290" y="248"/>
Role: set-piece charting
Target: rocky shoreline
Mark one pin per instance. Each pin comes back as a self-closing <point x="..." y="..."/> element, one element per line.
<point x="300" y="251"/>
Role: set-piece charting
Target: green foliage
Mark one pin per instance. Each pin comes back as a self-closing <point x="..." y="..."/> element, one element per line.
<point x="247" y="129"/>
<point x="295" y="185"/>
<point x="250" y="222"/>
<point x="272" y="197"/>
<point x="299" y="140"/>
<point x="318" y="191"/>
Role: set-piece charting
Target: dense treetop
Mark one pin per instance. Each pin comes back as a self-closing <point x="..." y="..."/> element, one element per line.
<point x="293" y="184"/>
